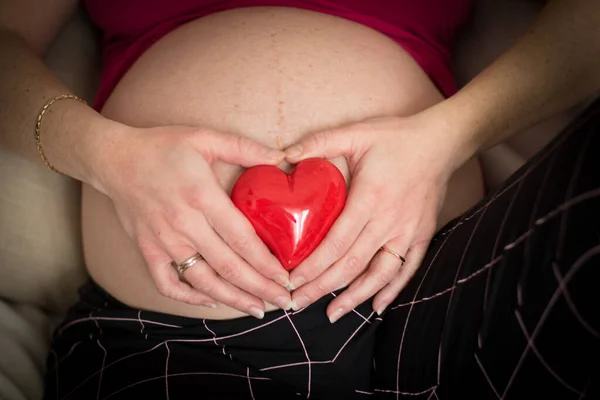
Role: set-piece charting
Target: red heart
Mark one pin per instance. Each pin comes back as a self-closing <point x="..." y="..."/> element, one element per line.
<point x="291" y="213"/>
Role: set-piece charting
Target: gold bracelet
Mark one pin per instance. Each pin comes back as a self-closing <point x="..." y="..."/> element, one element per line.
<point x="38" y="126"/>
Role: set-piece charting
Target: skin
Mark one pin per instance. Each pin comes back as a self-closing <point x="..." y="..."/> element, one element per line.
<point x="519" y="89"/>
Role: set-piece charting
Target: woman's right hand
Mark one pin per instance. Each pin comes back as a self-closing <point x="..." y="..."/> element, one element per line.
<point x="170" y="202"/>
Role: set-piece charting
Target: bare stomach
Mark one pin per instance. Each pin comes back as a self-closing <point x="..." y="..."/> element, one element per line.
<point x="272" y="74"/>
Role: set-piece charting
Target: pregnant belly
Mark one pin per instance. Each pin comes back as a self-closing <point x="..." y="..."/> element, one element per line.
<point x="272" y="74"/>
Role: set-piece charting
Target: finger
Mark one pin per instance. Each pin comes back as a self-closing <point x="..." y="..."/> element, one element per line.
<point x="235" y="229"/>
<point x="338" y="240"/>
<point x="383" y="268"/>
<point x="240" y="150"/>
<point x="344" y="271"/>
<point x="233" y="268"/>
<point x="326" y="144"/>
<point x="414" y="258"/>
<point x="204" y="279"/>
<point x="167" y="280"/>
<point x="169" y="284"/>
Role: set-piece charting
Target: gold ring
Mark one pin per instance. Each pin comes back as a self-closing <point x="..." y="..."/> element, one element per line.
<point x="392" y="252"/>
<point x="183" y="266"/>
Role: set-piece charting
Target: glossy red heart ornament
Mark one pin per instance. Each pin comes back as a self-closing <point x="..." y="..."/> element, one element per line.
<point x="291" y="213"/>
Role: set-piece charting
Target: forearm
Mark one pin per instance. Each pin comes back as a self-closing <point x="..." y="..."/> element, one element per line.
<point x="554" y="66"/>
<point x="70" y="129"/>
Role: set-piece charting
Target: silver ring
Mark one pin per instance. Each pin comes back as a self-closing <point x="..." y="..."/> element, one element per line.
<point x="392" y="252"/>
<point x="188" y="263"/>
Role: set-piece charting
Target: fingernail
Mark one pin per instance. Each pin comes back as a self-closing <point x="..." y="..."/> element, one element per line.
<point x="300" y="302"/>
<point x="336" y="315"/>
<point x="294" y="151"/>
<point x="381" y="309"/>
<point x="209" y="305"/>
<point x="257" y="312"/>
<point x="296" y="282"/>
<point x="285" y="303"/>
<point x="282" y="280"/>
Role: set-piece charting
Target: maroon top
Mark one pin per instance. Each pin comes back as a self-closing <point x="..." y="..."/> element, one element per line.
<point x="426" y="29"/>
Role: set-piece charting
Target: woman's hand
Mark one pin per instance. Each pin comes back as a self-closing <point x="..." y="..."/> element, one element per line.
<point x="170" y="202"/>
<point x="400" y="169"/>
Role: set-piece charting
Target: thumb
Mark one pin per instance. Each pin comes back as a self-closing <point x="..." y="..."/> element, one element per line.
<point x="240" y="150"/>
<point x="325" y="144"/>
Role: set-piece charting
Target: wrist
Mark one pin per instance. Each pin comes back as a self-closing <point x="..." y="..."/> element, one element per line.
<point x="74" y="140"/>
<point x="100" y="150"/>
<point x="456" y="131"/>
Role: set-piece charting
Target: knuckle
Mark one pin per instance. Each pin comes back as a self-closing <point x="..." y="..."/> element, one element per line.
<point x="265" y="294"/>
<point x="319" y="140"/>
<point x="185" y="297"/>
<point x="243" y="145"/>
<point x="269" y="291"/>
<point x="150" y="251"/>
<point x="321" y="289"/>
<point x="241" y="303"/>
<point x="398" y="238"/>
<point x="146" y="246"/>
<point x="240" y="244"/>
<point x="196" y="198"/>
<point x="421" y="243"/>
<point x="207" y="288"/>
<point x="391" y="213"/>
<point x="176" y="219"/>
<point x="262" y="288"/>
<point x="384" y="277"/>
<point x="370" y="198"/>
<point x="352" y="299"/>
<point x="204" y="286"/>
<point x="262" y="292"/>
<point x="356" y="144"/>
<point x="353" y="265"/>
<point x="194" y="297"/>
<point x="197" y="278"/>
<point x="164" y="290"/>
<point x="200" y="194"/>
<point x="336" y="245"/>
<point x="231" y="271"/>
<point x="315" y="141"/>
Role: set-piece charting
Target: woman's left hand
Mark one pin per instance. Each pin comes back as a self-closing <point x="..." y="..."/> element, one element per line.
<point x="400" y="169"/>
